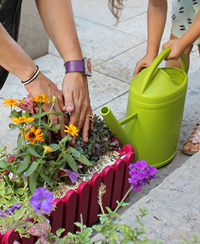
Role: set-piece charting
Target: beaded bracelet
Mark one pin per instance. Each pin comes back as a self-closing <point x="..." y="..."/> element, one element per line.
<point x="33" y="77"/>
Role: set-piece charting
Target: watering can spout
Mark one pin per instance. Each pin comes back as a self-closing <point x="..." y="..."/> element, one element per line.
<point x="116" y="127"/>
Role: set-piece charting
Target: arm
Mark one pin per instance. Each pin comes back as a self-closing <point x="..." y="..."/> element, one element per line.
<point x="179" y="45"/>
<point x="58" y="20"/>
<point x="15" y="60"/>
<point x="156" y="18"/>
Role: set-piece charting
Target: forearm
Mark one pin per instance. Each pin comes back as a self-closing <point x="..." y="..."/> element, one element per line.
<point x="13" y="58"/>
<point x="192" y="33"/>
<point x="58" y="20"/>
<point x="156" y="18"/>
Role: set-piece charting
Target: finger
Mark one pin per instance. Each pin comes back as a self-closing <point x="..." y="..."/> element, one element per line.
<point x="89" y="124"/>
<point x="69" y="103"/>
<point x="79" y="119"/>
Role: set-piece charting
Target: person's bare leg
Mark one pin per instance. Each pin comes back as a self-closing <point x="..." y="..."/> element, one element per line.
<point x="192" y="145"/>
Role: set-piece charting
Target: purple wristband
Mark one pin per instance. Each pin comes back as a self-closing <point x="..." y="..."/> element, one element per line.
<point x="74" y="66"/>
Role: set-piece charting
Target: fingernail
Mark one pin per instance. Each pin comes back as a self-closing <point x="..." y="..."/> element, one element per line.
<point x="68" y="107"/>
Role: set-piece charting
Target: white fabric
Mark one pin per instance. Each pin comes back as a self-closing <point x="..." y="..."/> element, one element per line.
<point x="183" y="14"/>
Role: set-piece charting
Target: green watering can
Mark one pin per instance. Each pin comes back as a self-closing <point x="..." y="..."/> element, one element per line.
<point x="154" y="112"/>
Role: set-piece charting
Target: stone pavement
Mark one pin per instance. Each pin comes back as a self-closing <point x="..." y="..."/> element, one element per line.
<point x="114" y="51"/>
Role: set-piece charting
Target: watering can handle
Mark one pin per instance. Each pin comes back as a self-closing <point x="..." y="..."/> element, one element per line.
<point x="157" y="61"/>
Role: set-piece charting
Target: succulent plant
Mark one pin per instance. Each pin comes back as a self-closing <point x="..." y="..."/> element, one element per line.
<point x="100" y="141"/>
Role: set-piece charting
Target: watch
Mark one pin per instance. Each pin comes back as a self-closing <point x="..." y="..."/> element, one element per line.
<point x="84" y="66"/>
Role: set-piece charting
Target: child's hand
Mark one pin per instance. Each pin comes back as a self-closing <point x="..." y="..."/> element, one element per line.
<point x="177" y="48"/>
<point x="145" y="62"/>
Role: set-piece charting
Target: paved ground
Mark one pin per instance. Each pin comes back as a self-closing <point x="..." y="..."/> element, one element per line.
<point x="114" y="51"/>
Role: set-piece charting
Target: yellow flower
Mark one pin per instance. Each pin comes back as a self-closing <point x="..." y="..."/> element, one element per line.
<point x="22" y="119"/>
<point x="72" y="130"/>
<point x="34" y="135"/>
<point x="10" y="102"/>
<point x="41" y="99"/>
<point x="47" y="148"/>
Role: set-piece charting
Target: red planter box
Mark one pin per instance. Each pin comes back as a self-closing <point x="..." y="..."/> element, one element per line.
<point x="84" y="200"/>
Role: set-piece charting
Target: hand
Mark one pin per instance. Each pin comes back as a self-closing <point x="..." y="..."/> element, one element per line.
<point x="77" y="102"/>
<point x="145" y="62"/>
<point x="42" y="85"/>
<point x="177" y="48"/>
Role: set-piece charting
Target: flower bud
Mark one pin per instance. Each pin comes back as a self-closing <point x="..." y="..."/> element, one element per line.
<point x="25" y="177"/>
<point x="54" y="99"/>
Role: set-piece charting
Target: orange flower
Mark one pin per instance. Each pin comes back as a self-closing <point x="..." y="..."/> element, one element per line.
<point x="22" y="119"/>
<point x="72" y="130"/>
<point x="10" y="102"/>
<point x="34" y="135"/>
<point x="41" y="99"/>
<point x="47" y="148"/>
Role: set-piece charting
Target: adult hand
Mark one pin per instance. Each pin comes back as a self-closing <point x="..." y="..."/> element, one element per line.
<point x="77" y="102"/>
<point x="145" y="62"/>
<point x="42" y="85"/>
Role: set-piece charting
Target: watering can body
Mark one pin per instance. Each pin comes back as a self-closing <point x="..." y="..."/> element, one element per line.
<point x="154" y="112"/>
<point x="157" y="96"/>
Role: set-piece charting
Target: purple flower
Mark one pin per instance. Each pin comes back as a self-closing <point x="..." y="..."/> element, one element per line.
<point x="141" y="165"/>
<point x="12" y="209"/>
<point x="141" y="174"/>
<point x="72" y="175"/>
<point x="42" y="200"/>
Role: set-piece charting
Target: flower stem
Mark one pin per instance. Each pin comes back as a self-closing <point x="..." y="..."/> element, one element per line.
<point x="125" y="196"/>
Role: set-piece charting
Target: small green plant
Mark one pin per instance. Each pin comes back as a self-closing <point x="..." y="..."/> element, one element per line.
<point x="101" y="140"/>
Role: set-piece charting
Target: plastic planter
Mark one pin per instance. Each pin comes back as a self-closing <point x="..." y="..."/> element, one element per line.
<point x="84" y="200"/>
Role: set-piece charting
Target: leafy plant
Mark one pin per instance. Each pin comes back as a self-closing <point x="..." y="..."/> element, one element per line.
<point x="101" y="140"/>
<point x="41" y="203"/>
<point x="44" y="160"/>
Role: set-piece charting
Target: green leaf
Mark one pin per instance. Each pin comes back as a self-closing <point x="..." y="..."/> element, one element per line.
<point x="32" y="168"/>
<point x="127" y="232"/>
<point x="36" y="116"/>
<point x="59" y="232"/>
<point x="11" y="202"/>
<point x="20" y="191"/>
<point x="15" y="113"/>
<point x="55" y="128"/>
<point x="19" y="143"/>
<point x="70" y="161"/>
<point x="46" y="178"/>
<point x="61" y="161"/>
<point x="32" y="151"/>
<point x="58" y="113"/>
<point x="54" y="147"/>
<point x="74" y="152"/>
<point x="12" y="126"/>
<point x="2" y="184"/>
<point x="85" y="235"/>
<point x="82" y="159"/>
<point x="66" y="138"/>
<point x="3" y="164"/>
<point x="2" y="192"/>
<point x="24" y="164"/>
<point x="32" y="183"/>
<point x="27" y="114"/>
